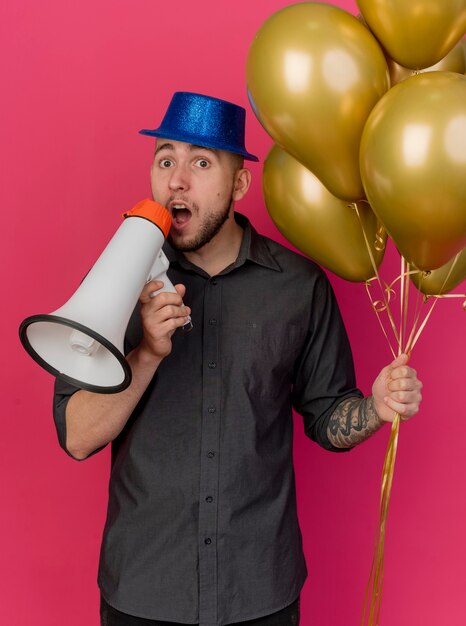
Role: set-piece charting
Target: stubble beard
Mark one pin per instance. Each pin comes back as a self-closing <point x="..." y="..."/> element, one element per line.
<point x="210" y="227"/>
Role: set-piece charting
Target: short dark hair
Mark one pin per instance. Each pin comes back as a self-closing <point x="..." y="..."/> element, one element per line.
<point x="237" y="161"/>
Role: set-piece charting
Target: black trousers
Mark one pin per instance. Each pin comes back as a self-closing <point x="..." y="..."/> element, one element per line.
<point x="109" y="616"/>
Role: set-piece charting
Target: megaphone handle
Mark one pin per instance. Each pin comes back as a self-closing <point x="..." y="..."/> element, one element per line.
<point x="159" y="272"/>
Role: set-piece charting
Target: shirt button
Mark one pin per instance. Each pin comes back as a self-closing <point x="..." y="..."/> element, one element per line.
<point x="209" y="499"/>
<point x="211" y="409"/>
<point x="211" y="454"/>
<point x="208" y="541"/>
<point x="213" y="321"/>
<point x="213" y="281"/>
<point x="212" y="365"/>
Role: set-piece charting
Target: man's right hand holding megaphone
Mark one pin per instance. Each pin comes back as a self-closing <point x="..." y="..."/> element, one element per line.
<point x="82" y="342"/>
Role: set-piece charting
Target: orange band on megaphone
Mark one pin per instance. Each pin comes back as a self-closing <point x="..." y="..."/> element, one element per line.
<point x="154" y="212"/>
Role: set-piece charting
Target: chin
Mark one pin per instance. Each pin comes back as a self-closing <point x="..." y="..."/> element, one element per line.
<point x="178" y="242"/>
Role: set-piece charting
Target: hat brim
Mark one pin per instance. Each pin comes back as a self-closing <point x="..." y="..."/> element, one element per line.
<point x="198" y="141"/>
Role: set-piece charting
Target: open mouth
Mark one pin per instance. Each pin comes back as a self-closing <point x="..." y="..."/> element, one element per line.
<point x="181" y="214"/>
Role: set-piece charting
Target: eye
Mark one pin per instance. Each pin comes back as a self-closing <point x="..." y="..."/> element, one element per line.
<point x="202" y="163"/>
<point x="165" y="163"/>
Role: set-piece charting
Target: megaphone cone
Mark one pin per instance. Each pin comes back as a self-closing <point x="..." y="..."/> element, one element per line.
<point x="75" y="353"/>
<point x="82" y="342"/>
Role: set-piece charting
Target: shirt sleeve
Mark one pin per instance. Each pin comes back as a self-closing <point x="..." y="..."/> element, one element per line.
<point x="63" y="390"/>
<point x="62" y="393"/>
<point x="324" y="372"/>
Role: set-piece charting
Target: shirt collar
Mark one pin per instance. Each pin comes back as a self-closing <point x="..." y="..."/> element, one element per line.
<point x="253" y="248"/>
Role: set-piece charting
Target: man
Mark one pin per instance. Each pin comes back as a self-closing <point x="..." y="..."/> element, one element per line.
<point x="202" y="525"/>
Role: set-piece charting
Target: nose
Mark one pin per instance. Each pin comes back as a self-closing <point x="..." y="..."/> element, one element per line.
<point x="179" y="179"/>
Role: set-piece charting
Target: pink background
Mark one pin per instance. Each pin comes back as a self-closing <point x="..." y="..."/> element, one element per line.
<point x="79" y="80"/>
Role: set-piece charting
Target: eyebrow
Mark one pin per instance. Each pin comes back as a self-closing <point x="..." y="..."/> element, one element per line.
<point x="192" y="148"/>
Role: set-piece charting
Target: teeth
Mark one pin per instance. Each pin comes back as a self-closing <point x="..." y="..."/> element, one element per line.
<point x="179" y="206"/>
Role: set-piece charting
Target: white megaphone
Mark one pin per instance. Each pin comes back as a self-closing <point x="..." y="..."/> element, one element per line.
<point x="82" y="342"/>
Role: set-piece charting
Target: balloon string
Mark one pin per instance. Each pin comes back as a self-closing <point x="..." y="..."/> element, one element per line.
<point x="402" y="302"/>
<point x="374" y="587"/>
<point x="377" y="568"/>
<point x="375" y="582"/>
<point x="429" y="313"/>
<point x="376" y="274"/>
<point x="404" y="309"/>
<point x="375" y="308"/>
<point x="417" y="314"/>
<point x="415" y="333"/>
<point x="413" y="339"/>
<point x="448" y="295"/>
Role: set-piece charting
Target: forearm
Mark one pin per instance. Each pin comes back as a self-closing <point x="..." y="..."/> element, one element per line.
<point x="354" y="420"/>
<point x="93" y="420"/>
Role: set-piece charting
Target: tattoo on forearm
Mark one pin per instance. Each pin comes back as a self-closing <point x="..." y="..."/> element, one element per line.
<point x="353" y="421"/>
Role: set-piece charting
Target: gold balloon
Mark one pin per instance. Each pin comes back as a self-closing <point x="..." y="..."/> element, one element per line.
<point x="413" y="165"/>
<point x="322" y="226"/>
<point x="416" y="33"/>
<point x="443" y="279"/>
<point x="314" y="73"/>
<point x="454" y="61"/>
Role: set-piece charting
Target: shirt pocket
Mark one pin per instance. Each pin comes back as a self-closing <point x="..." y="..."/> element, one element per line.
<point x="261" y="357"/>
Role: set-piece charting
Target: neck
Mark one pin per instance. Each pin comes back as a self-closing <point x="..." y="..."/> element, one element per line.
<point x="221" y="251"/>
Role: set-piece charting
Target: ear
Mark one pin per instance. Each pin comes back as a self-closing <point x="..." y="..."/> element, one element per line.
<point x="241" y="183"/>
